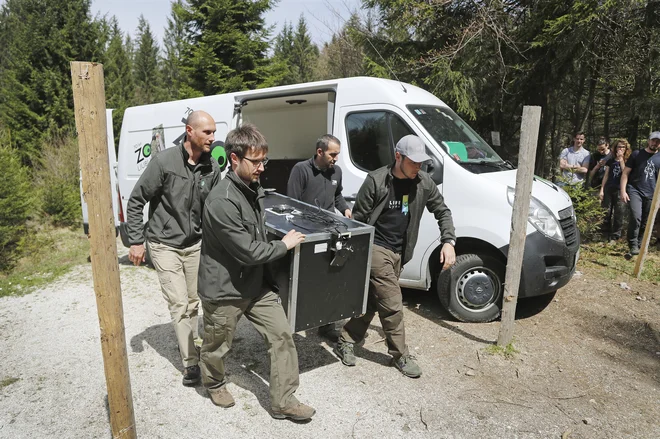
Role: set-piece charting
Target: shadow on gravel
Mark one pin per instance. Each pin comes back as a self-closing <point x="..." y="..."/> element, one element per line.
<point x="638" y="338"/>
<point x="162" y="339"/>
<point x="427" y="305"/>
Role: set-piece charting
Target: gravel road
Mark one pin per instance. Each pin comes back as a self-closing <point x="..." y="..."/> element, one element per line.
<point x="570" y="379"/>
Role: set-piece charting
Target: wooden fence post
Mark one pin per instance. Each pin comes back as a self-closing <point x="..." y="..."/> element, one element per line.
<point x="529" y="133"/>
<point x="644" y="248"/>
<point x="89" y="107"/>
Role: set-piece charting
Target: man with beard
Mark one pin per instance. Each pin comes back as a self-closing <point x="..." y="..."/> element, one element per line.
<point x="392" y="199"/>
<point x="235" y="278"/>
<point x="637" y="187"/>
<point x="175" y="184"/>
<point x="317" y="181"/>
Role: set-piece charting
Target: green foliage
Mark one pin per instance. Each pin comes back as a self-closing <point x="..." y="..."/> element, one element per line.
<point x="175" y="42"/>
<point x="57" y="178"/>
<point x="47" y="253"/>
<point x="509" y="351"/>
<point x="145" y="65"/>
<point x="229" y="44"/>
<point x="610" y="262"/>
<point x="15" y="204"/>
<point x="117" y="72"/>
<point x="343" y="56"/>
<point x="588" y="211"/>
<point x="39" y="39"/>
<point x="297" y="52"/>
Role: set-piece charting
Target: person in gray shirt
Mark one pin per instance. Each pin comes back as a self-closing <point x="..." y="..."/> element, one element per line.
<point x="317" y="181"/>
<point x="574" y="162"/>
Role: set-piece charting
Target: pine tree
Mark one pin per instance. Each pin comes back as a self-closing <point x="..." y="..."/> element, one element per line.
<point x="297" y="52"/>
<point x="117" y="71"/>
<point x="229" y="44"/>
<point x="145" y="65"/>
<point x="39" y="38"/>
<point x="176" y="42"/>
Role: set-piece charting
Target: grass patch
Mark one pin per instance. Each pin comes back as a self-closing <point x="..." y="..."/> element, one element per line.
<point x="8" y="382"/>
<point x="48" y="254"/>
<point x="508" y="351"/>
<point x="610" y="263"/>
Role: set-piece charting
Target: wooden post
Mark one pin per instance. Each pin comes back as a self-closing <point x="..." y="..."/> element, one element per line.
<point x="529" y="133"/>
<point x="650" y="221"/>
<point x="89" y="106"/>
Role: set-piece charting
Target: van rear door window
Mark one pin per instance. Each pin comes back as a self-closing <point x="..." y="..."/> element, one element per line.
<point x="372" y="136"/>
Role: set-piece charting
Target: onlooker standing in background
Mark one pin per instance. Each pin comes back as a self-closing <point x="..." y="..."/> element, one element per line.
<point x="597" y="163"/>
<point x="609" y="190"/>
<point x="574" y="162"/>
<point x="638" y="182"/>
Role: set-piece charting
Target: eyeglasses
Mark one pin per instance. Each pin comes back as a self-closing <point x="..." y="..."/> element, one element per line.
<point x="256" y="163"/>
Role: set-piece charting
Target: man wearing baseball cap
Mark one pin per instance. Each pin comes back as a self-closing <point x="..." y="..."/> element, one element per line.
<point x="392" y="199"/>
<point x="638" y="182"/>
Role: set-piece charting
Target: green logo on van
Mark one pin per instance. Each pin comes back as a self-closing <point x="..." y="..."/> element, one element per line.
<point x="219" y="154"/>
<point x="146" y="150"/>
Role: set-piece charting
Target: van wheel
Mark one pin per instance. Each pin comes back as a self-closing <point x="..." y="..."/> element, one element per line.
<point x="471" y="290"/>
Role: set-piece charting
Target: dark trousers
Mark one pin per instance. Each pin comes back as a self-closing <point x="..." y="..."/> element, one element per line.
<point x="384" y="298"/>
<point x="615" y="209"/>
<point x="640" y="207"/>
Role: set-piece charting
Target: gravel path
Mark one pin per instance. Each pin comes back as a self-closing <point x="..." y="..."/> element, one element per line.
<point x="562" y="382"/>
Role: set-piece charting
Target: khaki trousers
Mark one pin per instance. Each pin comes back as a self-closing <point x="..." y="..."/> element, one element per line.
<point x="267" y="315"/>
<point x="384" y="298"/>
<point x="177" y="273"/>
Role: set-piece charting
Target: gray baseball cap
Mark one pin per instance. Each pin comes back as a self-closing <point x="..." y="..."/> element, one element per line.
<point x="655" y="135"/>
<point x="412" y="147"/>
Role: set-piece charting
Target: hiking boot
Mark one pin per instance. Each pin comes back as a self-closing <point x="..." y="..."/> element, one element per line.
<point x="345" y="353"/>
<point x="634" y="250"/>
<point x="191" y="375"/>
<point x="407" y="365"/>
<point x="329" y="331"/>
<point x="221" y="396"/>
<point x="297" y="412"/>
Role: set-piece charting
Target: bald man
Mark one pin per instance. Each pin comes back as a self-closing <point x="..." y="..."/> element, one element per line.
<point x="176" y="183"/>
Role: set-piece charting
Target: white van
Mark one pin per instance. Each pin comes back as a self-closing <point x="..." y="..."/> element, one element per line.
<point x="112" y="162"/>
<point x="369" y="115"/>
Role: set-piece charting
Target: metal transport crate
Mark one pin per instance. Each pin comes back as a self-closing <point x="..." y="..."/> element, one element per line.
<point x="326" y="277"/>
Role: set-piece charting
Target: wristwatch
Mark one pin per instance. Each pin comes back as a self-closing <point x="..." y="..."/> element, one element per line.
<point x="450" y="242"/>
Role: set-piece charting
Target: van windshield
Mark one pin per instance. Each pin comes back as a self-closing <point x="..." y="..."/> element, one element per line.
<point x="455" y="136"/>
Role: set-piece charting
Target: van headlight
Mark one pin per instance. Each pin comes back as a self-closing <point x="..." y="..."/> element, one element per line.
<point x="540" y="217"/>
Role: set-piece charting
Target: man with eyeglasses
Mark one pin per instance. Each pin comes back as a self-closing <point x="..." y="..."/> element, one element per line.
<point x="235" y="278"/>
<point x="175" y="184"/>
<point x="392" y="199"/>
<point x="317" y="181"/>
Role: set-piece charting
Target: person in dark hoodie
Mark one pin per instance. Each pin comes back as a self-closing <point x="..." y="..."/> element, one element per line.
<point x="235" y="277"/>
<point x="317" y="181"/>
<point x="175" y="184"/>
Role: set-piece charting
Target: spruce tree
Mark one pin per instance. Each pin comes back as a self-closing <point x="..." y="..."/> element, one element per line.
<point x="229" y="44"/>
<point x="117" y="71"/>
<point x="145" y="65"/>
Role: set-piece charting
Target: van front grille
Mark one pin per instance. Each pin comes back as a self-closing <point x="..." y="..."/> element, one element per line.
<point x="568" y="226"/>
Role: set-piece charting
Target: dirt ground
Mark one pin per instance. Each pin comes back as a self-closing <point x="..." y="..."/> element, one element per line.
<point x="588" y="366"/>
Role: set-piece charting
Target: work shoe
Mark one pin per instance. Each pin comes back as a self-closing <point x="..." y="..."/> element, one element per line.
<point x="345" y="353"/>
<point x="297" y="412"/>
<point x="407" y="365"/>
<point x="191" y="375"/>
<point x="221" y="396"/>
<point x="634" y="250"/>
<point x="329" y="331"/>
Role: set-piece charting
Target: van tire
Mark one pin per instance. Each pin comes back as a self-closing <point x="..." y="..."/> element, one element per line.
<point x="482" y="272"/>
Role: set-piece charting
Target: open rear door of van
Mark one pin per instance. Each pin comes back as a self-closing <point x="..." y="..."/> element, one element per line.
<point x="112" y="161"/>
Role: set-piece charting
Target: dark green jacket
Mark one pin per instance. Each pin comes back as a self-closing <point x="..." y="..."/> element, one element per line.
<point x="372" y="196"/>
<point x="176" y="195"/>
<point x="235" y="252"/>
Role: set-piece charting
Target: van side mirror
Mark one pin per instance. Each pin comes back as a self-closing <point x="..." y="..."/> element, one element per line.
<point x="435" y="169"/>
